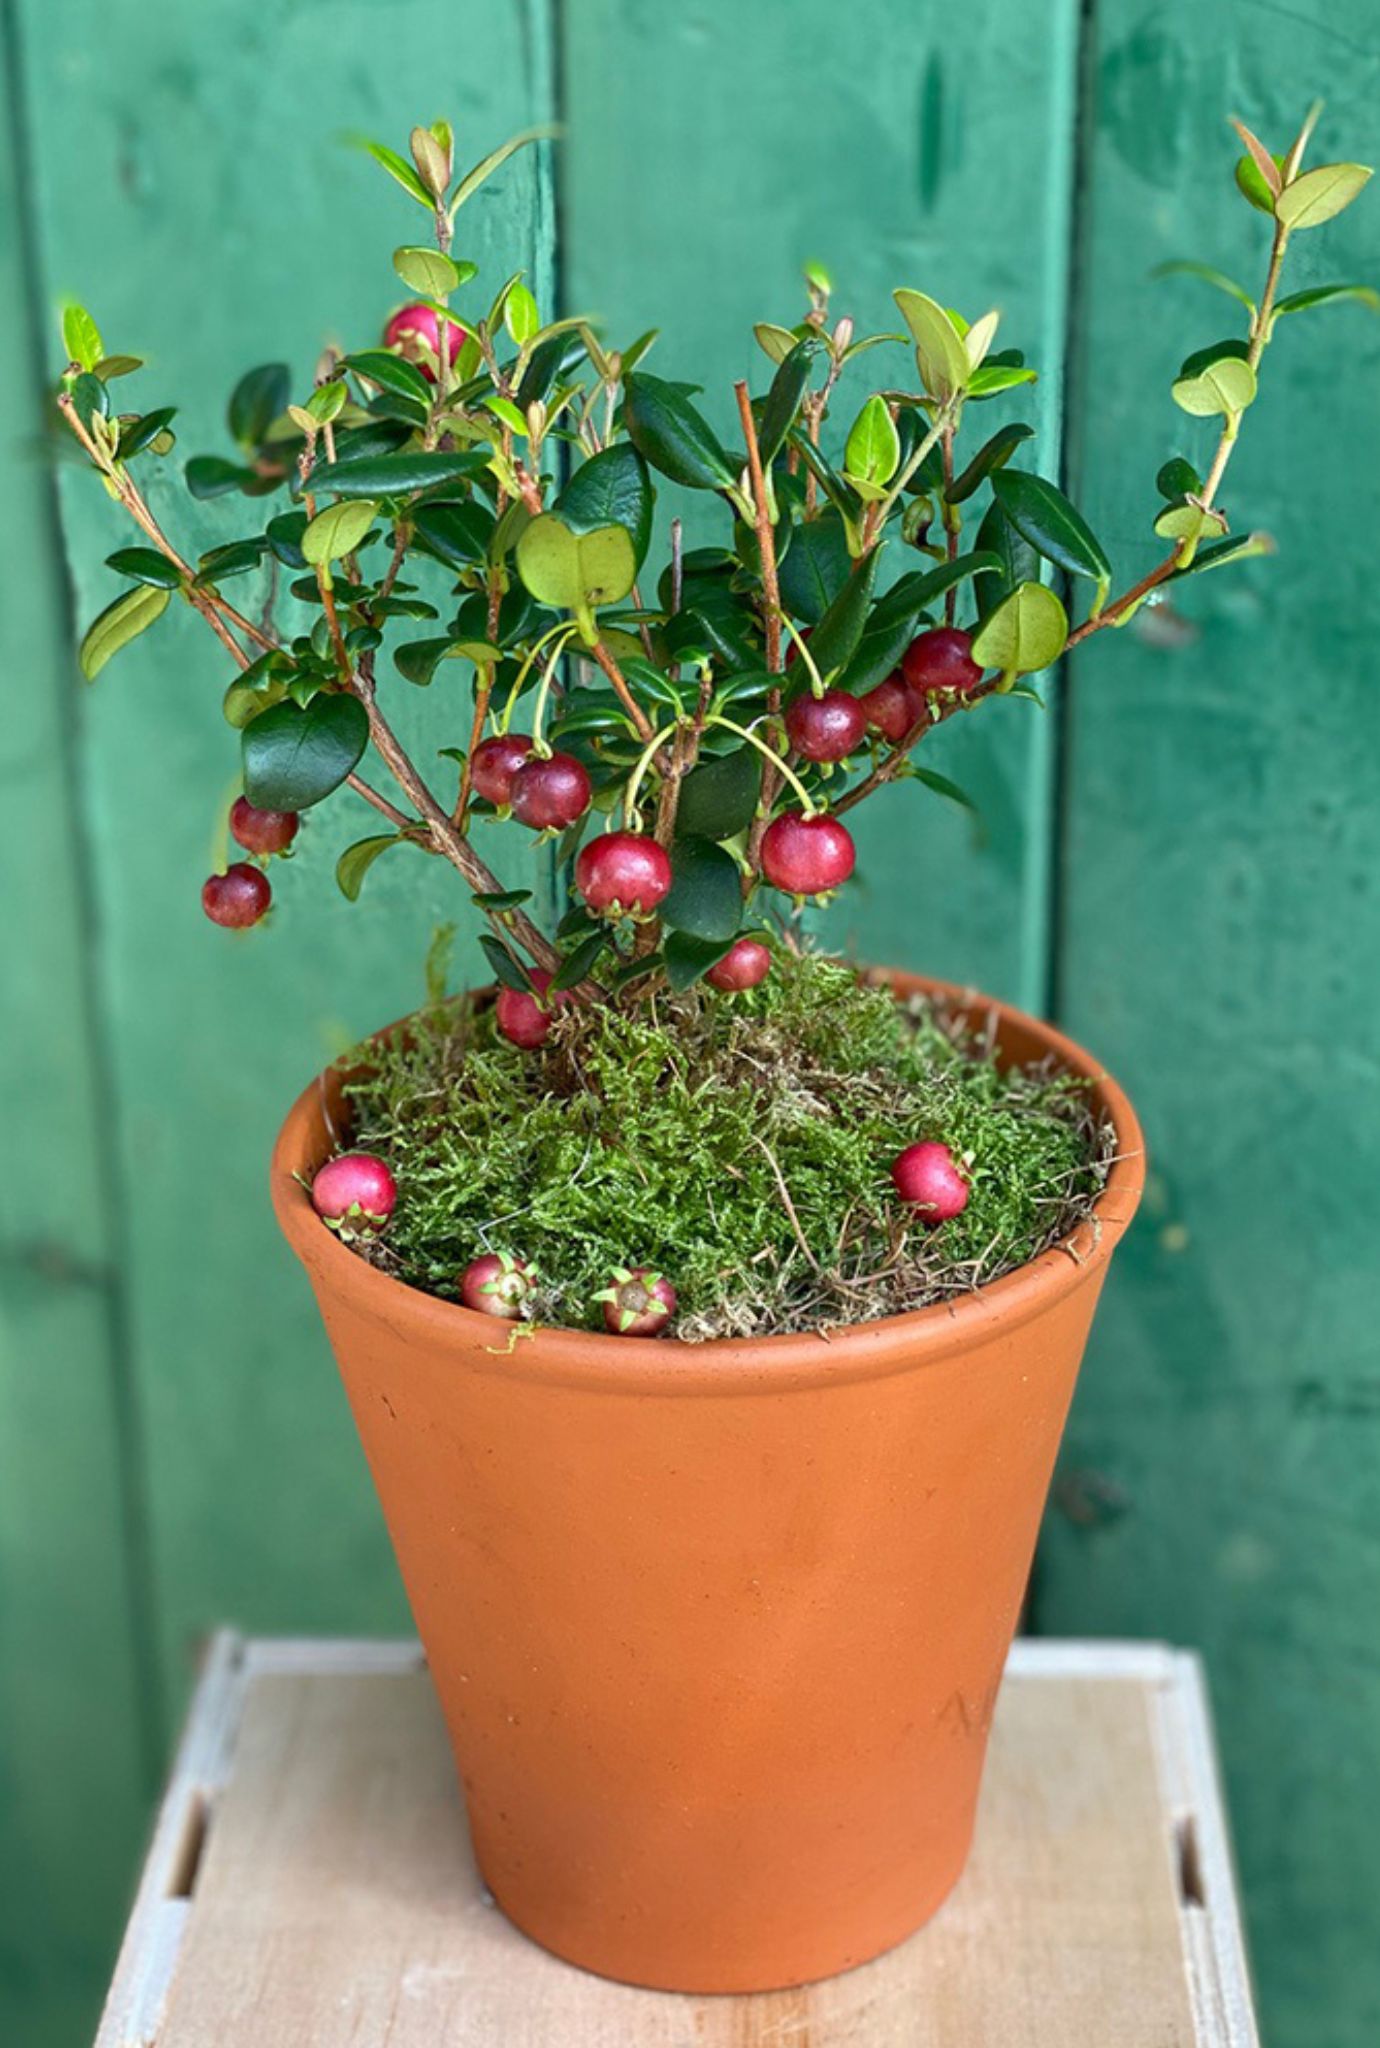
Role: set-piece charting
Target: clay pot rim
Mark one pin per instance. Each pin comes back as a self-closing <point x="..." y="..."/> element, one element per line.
<point x="665" y="1365"/>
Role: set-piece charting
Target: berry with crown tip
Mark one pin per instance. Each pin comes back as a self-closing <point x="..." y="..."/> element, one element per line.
<point x="355" y="1194"/>
<point x="238" y="898"/>
<point x="415" y="333"/>
<point x="549" y="792"/>
<point x="941" y="660"/>
<point x="826" y="728"/>
<point x="494" y="763"/>
<point x="625" y="873"/>
<point x="638" y="1302"/>
<point x="746" y="962"/>
<point x="893" y="708"/>
<point x="928" y="1177"/>
<point x="496" y="1284"/>
<point x="807" y="856"/>
<point x="523" y="1018"/>
<point x="262" y="831"/>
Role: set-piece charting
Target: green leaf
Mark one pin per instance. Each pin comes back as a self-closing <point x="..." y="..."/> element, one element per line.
<point x="1017" y="560"/>
<point x="417" y="660"/>
<point x="211" y="476"/>
<point x="719" y="798"/>
<point x="1177" y="479"/>
<point x="942" y="360"/>
<point x="356" y="861"/>
<point x="895" y="617"/>
<point x="992" y="456"/>
<point x="335" y="532"/>
<point x="578" y="962"/>
<point x="1026" y="632"/>
<point x="816" y="567"/>
<point x="687" y="959"/>
<point x="1215" y="380"/>
<point x="391" y="373"/>
<point x="1188" y="522"/>
<point x="256" y="401"/>
<point x="993" y="378"/>
<point x="145" y="565"/>
<point x="611" y="489"/>
<point x="235" y="558"/>
<point x="284" y="537"/>
<point x="573" y="570"/>
<point x="500" y="899"/>
<point x="1327" y="295"/>
<point x="135" y="435"/>
<point x="1207" y="275"/>
<point x="942" y="786"/>
<point x="873" y="452"/>
<point x="506" y="969"/>
<point x="1054" y="526"/>
<point x="294" y="755"/>
<point x="835" y="639"/>
<point x="782" y="404"/>
<point x="706" y="897"/>
<point x="521" y="315"/>
<point x="1217" y="554"/>
<point x="1250" y="182"/>
<point x="81" y="337"/>
<point x="395" y="476"/>
<point x="457" y="535"/>
<point x="118" y="624"/>
<point x="118" y="366"/>
<point x="775" y="342"/>
<point x="486" y="167"/>
<point x="396" y="167"/>
<point x="1319" y="195"/>
<point x="666" y="429"/>
<point x="426" y="270"/>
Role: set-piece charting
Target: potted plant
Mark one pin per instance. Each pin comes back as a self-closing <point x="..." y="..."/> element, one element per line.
<point x="709" y="1311"/>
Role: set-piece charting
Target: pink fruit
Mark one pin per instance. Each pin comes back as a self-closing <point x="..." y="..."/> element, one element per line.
<point x="927" y="1176"/>
<point x="523" y="1018"/>
<point x="807" y="856"/>
<point x="623" y="872"/>
<point x="262" y="831"/>
<point x="355" y="1194"/>
<point x="637" y="1302"/>
<point x="940" y="660"/>
<point x="238" y="898"/>
<point x="497" y="1285"/>
<point x="549" y="791"/>
<point x="893" y="708"/>
<point x="415" y="333"/>
<point x="495" y="762"/>
<point x="746" y="962"/>
<point x="826" y="728"/>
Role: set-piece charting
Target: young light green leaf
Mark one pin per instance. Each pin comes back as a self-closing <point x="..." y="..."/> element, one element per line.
<point x="776" y="342"/>
<point x="1054" y="526"/>
<point x="993" y="378"/>
<point x="118" y="366"/>
<point x="337" y="531"/>
<point x="873" y="451"/>
<point x="1267" y="165"/>
<point x="1026" y="632"/>
<point x="979" y="338"/>
<point x="1252" y="186"/>
<point x="1215" y="380"/>
<point x="576" y="571"/>
<point x="327" y="401"/>
<point x="1217" y="554"/>
<point x="1188" y="522"/>
<point x="1318" y="195"/>
<point x="521" y="315"/>
<point x="1205" y="272"/>
<point x="396" y="167"/>
<point x="939" y="352"/>
<point x="426" y="270"/>
<point x="1327" y="295"/>
<point x="356" y="861"/>
<point x="120" y="623"/>
<point x="81" y="337"/>
<point x="486" y="166"/>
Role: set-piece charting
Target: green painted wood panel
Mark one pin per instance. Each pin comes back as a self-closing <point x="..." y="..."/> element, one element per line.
<point x="1222" y="951"/>
<point x="713" y="149"/>
<point x="189" y="182"/>
<point x="76" y="1735"/>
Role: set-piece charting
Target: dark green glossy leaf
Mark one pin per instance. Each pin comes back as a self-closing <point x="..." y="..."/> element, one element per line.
<point x="145" y="565"/>
<point x="782" y="403"/>
<point x="500" y="899"/>
<point x="417" y="659"/>
<point x="706" y="896"/>
<point x="669" y="433"/>
<point x="89" y="397"/>
<point x="942" y="786"/>
<point x="393" y="373"/>
<point x="457" y="535"/>
<point x="558" y="353"/>
<point x="256" y="402"/>
<point x="1205" y="273"/>
<point x="835" y="639"/>
<point x="579" y="962"/>
<point x="992" y="456"/>
<point x="719" y="798"/>
<point x="211" y="476"/>
<point x="836" y="489"/>
<point x="611" y="489"/>
<point x="507" y="970"/>
<point x="1018" y="561"/>
<point x="356" y="861"/>
<point x="1052" y="524"/>
<point x="1328" y="295"/>
<point x="284" y="536"/>
<point x="900" y="614"/>
<point x="394" y="476"/>
<point x="135" y="435"/>
<point x="1177" y="478"/>
<point x="295" y="756"/>
<point x="816" y="567"/>
<point x="235" y="558"/>
<point x="687" y="959"/>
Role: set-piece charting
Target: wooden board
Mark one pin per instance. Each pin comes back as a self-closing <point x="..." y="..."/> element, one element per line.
<point x="310" y="1883"/>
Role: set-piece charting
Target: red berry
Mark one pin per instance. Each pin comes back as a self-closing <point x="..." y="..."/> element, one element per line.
<point x="927" y="1176"/>
<point x="746" y="962"/>
<point x="521" y="1017"/>
<point x="623" y="872"/>
<point x="415" y="333"/>
<point x="238" y="898"/>
<point x="807" y="856"/>
<point x="940" y="660"/>
<point x="497" y="1285"/>
<point x="826" y="728"/>
<point x="637" y="1302"/>
<point x="354" y="1194"/>
<point x="549" y="791"/>
<point x="893" y="707"/>
<point x="262" y="831"/>
<point x="495" y="762"/>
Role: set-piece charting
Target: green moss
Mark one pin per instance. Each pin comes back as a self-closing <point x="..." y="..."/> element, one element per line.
<point x="742" y="1146"/>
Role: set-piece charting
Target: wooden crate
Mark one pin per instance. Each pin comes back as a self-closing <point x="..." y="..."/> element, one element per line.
<point x="310" y="1883"/>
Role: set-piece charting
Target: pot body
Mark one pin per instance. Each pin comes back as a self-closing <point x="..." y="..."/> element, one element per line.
<point x="717" y="1629"/>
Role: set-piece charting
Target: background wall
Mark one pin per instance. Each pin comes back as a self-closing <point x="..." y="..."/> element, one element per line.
<point x="1178" y="859"/>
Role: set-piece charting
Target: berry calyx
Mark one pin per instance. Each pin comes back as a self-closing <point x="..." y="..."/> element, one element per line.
<point x="807" y="856"/>
<point x="638" y="1302"/>
<point x="746" y="962"/>
<point x="494" y="763"/>
<point x="893" y="707"/>
<point x="928" y="1177"/>
<point x="497" y="1285"/>
<point x="826" y="728"/>
<point x="941" y="660"/>
<point x="354" y="1195"/>
<point x="262" y="831"/>
<point x="525" y="1019"/>
<point x="415" y="333"/>
<point x="624" y="873"/>
<point x="238" y="898"/>
<point x="549" y="792"/>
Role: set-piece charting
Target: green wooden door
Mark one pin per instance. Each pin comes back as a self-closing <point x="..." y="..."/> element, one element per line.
<point x="1177" y="856"/>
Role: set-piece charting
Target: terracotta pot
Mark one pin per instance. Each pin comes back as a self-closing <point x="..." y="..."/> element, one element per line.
<point x="717" y="1629"/>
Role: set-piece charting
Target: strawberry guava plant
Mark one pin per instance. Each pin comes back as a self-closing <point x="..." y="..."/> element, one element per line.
<point x="470" y="503"/>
